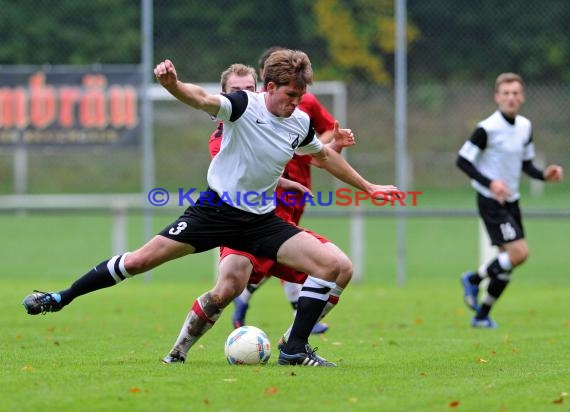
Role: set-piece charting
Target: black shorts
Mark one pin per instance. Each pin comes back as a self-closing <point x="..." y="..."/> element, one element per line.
<point x="211" y="223"/>
<point x="503" y="221"/>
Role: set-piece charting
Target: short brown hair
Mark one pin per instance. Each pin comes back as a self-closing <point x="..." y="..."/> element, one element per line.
<point x="240" y="70"/>
<point x="284" y="66"/>
<point x="507" y="78"/>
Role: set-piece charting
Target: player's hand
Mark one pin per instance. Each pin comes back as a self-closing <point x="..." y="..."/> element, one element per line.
<point x="292" y="186"/>
<point x="553" y="173"/>
<point x="342" y="137"/>
<point x="500" y="190"/>
<point x="165" y="73"/>
<point x="384" y="192"/>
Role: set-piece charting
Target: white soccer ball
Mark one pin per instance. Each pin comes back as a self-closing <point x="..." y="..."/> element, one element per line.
<point x="247" y="345"/>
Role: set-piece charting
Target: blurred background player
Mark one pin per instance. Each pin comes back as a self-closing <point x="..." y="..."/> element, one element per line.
<point x="298" y="170"/>
<point x="499" y="148"/>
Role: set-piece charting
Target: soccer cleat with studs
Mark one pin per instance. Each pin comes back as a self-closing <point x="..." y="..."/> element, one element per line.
<point x="42" y="302"/>
<point x="485" y="323"/>
<point x="307" y="358"/>
<point x="173" y="358"/>
<point x="470" y="292"/>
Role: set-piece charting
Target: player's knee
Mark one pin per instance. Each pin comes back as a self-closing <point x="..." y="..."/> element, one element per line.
<point x="520" y="256"/>
<point x="330" y="268"/>
<point x="136" y="263"/>
<point x="518" y="253"/>
<point x="346" y="271"/>
<point x="229" y="286"/>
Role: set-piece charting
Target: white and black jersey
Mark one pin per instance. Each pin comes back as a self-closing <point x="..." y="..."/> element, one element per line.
<point x="255" y="149"/>
<point x="498" y="149"/>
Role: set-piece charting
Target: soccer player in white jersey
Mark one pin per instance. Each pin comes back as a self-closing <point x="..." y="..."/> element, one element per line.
<point x="235" y="263"/>
<point x="499" y="149"/>
<point x="262" y="132"/>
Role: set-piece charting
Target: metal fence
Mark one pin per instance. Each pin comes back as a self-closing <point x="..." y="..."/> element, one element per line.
<point x="441" y="111"/>
<point x="443" y="102"/>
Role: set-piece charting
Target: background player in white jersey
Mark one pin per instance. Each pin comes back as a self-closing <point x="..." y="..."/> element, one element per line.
<point x="263" y="131"/>
<point x="499" y="149"/>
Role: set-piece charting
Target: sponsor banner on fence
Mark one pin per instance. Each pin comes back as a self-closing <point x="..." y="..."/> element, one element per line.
<point x="69" y="105"/>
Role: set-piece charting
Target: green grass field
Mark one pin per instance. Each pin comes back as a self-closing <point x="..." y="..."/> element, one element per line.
<point x="398" y="348"/>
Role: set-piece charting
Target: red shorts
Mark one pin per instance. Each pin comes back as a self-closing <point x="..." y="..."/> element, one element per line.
<point x="265" y="267"/>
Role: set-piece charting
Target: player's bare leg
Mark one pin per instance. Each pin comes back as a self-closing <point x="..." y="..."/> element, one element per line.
<point x="241" y="303"/>
<point x="233" y="274"/>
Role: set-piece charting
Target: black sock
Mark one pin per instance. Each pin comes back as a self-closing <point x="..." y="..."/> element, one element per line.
<point x="251" y="288"/>
<point x="497" y="286"/>
<point x="474" y="278"/>
<point x="312" y="300"/>
<point x="495" y="289"/>
<point x="494" y="268"/>
<point x="105" y="274"/>
<point x="484" y="310"/>
<point x="308" y="312"/>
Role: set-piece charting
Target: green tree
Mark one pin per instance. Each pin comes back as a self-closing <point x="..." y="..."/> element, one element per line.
<point x="467" y="39"/>
<point x="69" y="32"/>
<point x="203" y="37"/>
<point x="360" y="36"/>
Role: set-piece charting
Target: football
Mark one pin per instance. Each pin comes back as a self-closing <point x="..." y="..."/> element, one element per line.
<point x="247" y="345"/>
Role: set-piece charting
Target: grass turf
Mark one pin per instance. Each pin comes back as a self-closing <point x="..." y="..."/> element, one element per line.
<point x="398" y="348"/>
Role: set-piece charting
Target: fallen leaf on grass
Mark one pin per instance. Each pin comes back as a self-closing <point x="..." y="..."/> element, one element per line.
<point x="453" y="404"/>
<point x="27" y="368"/>
<point x="135" y="390"/>
<point x="423" y="374"/>
<point x="481" y="360"/>
<point x="558" y="401"/>
<point x="206" y="401"/>
<point x="272" y="390"/>
<point x="353" y="400"/>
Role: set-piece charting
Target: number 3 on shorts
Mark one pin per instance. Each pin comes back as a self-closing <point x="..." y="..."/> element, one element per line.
<point x="178" y="229"/>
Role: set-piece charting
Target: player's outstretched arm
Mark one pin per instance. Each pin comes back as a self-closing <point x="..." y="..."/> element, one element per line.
<point x="336" y="165"/>
<point x="188" y="93"/>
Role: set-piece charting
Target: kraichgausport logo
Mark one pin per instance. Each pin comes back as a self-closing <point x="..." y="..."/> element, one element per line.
<point x="340" y="197"/>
